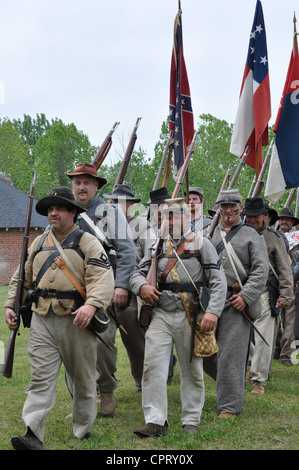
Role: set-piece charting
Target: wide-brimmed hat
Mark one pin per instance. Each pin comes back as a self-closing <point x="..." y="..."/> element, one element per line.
<point x="254" y="206"/>
<point x="158" y="196"/>
<point x="195" y="189"/>
<point x="272" y="214"/>
<point x="87" y="169"/>
<point x="60" y="196"/>
<point x="229" y="196"/>
<point x="122" y="191"/>
<point x="177" y="204"/>
<point x="287" y="212"/>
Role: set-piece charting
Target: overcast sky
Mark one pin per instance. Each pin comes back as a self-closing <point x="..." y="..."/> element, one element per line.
<point x="96" y="62"/>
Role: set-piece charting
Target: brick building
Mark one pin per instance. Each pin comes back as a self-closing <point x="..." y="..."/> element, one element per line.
<point x="13" y="210"/>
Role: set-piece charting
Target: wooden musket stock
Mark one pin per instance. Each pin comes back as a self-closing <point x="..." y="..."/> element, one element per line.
<point x="7" y="366"/>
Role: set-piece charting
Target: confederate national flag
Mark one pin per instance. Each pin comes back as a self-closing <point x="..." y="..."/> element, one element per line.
<point x="254" y="111"/>
<point x="180" y="112"/>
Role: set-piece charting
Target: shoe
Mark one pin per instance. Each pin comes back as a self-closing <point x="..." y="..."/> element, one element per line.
<point x="286" y="362"/>
<point x="27" y="442"/>
<point x="108" y="403"/>
<point x="151" y="430"/>
<point x="70" y="416"/>
<point x="190" y="428"/>
<point x="257" y="389"/>
<point x="225" y="415"/>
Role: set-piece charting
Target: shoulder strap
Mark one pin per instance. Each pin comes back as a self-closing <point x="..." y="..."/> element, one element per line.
<point x="228" y="237"/>
<point x="233" y="257"/>
<point x="173" y="261"/>
<point x="65" y="260"/>
<point x="71" y="242"/>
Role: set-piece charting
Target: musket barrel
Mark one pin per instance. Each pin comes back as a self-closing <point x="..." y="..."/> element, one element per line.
<point x="7" y="366"/>
<point x="104" y="149"/>
<point x="125" y="163"/>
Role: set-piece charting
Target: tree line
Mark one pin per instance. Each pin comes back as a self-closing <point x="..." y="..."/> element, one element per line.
<point x="52" y="148"/>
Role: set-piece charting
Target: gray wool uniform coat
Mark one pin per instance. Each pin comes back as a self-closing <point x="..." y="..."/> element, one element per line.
<point x="228" y="367"/>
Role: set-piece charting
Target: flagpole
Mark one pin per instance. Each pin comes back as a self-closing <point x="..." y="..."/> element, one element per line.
<point x="295" y="44"/>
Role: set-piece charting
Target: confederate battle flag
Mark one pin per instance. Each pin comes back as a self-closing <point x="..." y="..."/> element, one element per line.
<point x="180" y="108"/>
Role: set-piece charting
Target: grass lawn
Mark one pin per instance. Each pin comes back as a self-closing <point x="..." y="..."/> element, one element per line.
<point x="268" y="422"/>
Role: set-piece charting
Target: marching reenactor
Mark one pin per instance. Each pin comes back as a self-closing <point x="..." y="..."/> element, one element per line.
<point x="59" y="330"/>
<point x="287" y="222"/>
<point x="184" y="263"/>
<point x="198" y="221"/>
<point x="277" y="295"/>
<point x="243" y="255"/>
<point x="143" y="236"/>
<point x="110" y="226"/>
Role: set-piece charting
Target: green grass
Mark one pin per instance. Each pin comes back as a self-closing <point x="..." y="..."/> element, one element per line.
<point x="268" y="422"/>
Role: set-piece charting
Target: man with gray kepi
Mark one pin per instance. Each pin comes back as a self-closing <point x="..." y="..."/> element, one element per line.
<point x="61" y="317"/>
<point x="243" y="255"/>
<point x="109" y="225"/>
<point x="198" y="221"/>
<point x="277" y="295"/>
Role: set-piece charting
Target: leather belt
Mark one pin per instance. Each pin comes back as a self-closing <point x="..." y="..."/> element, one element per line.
<point x="178" y="287"/>
<point x="57" y="294"/>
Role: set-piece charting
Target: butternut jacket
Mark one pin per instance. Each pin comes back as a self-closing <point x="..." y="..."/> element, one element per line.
<point x="92" y="267"/>
<point x="280" y="261"/>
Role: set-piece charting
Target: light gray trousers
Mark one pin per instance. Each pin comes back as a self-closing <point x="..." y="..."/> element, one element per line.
<point x="55" y="340"/>
<point x="262" y="354"/>
<point x="166" y="328"/>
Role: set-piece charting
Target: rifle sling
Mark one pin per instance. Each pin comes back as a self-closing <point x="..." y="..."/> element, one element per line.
<point x="172" y="261"/>
<point x="233" y="231"/>
<point x="71" y="240"/>
<point x="61" y="264"/>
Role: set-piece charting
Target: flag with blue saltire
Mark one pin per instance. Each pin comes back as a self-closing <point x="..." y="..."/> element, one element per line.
<point x="180" y="107"/>
<point x="254" y="109"/>
<point x="284" y="165"/>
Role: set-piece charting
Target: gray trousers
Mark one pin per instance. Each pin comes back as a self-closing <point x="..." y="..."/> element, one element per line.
<point x="228" y="366"/>
<point x="106" y="360"/>
<point x="165" y="329"/>
<point x="134" y="340"/>
<point x="262" y="354"/>
<point x="55" y="340"/>
<point x="134" y="343"/>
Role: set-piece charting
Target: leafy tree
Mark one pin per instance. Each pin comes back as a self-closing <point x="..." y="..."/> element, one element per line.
<point x="14" y="156"/>
<point x="31" y="129"/>
<point x="59" y="151"/>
